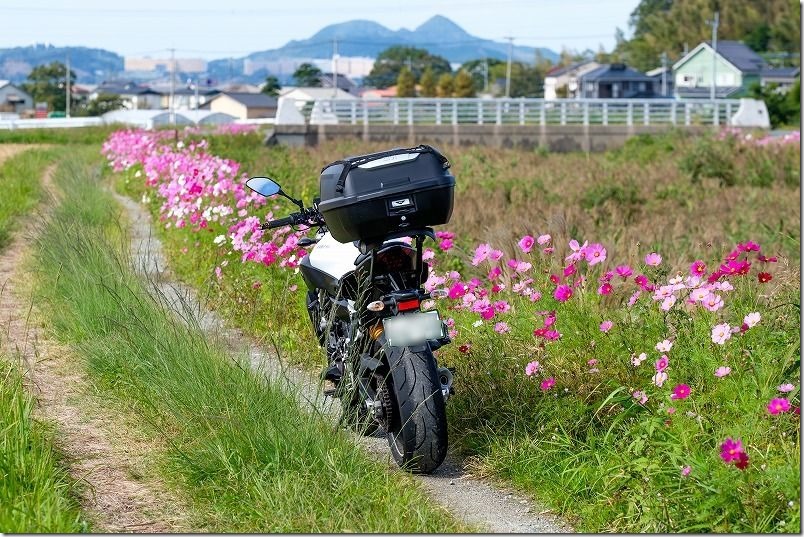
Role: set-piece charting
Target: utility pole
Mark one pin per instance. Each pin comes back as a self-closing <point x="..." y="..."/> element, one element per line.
<point x="334" y="67"/>
<point x="67" y="108"/>
<point x="714" y="24"/>
<point x="508" y="69"/>
<point x="664" y="74"/>
<point x="485" y="75"/>
<point x="172" y="82"/>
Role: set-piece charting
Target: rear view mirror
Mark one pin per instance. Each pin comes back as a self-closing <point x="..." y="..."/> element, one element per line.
<point x="263" y="186"/>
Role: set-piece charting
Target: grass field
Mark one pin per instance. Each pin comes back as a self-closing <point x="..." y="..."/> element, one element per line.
<point x="239" y="450"/>
<point x="585" y="443"/>
<point x="36" y="494"/>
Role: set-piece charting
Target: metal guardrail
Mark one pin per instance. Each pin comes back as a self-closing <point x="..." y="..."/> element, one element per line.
<point x="447" y="111"/>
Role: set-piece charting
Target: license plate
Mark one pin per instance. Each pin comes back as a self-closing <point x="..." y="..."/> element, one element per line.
<point x="413" y="328"/>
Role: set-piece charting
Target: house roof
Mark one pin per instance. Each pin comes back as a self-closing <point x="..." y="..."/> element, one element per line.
<point x="615" y="71"/>
<point x="736" y="53"/>
<point x="315" y="93"/>
<point x="780" y="72"/>
<point x="249" y="100"/>
<point x="558" y="70"/>
<point x="125" y="88"/>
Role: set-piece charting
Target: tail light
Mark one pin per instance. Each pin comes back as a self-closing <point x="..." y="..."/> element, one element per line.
<point x="407" y="305"/>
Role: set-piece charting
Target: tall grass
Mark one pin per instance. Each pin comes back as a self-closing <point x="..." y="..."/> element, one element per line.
<point x="243" y="452"/>
<point x="36" y="494"/>
<point x="20" y="187"/>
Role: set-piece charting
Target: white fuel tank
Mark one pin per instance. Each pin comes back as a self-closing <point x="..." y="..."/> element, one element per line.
<point x="333" y="257"/>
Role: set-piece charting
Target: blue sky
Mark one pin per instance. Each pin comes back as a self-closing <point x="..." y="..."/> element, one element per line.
<point x="236" y="27"/>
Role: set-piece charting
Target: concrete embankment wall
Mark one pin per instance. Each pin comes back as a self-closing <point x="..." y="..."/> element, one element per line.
<point x="556" y="138"/>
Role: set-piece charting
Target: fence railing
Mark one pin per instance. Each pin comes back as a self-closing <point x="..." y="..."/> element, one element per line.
<point x="519" y="112"/>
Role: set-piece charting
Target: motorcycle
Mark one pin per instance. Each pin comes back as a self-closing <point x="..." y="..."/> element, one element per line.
<point x="365" y="287"/>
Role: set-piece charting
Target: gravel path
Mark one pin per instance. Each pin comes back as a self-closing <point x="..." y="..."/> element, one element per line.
<point x="476" y="501"/>
<point x="111" y="498"/>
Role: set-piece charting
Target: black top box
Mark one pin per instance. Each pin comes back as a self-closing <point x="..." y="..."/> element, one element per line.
<point x="368" y="197"/>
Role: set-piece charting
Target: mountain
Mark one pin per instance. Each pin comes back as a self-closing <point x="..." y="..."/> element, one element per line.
<point x="90" y="65"/>
<point x="439" y="35"/>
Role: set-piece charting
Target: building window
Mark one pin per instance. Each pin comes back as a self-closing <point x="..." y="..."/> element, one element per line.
<point x="689" y="81"/>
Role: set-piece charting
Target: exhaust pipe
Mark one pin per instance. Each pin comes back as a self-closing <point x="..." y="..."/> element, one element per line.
<point x="445" y="378"/>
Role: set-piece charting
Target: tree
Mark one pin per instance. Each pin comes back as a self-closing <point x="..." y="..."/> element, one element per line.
<point x="668" y="26"/>
<point x="390" y="62"/>
<point x="307" y="75"/>
<point x="526" y="81"/>
<point x="463" y="85"/>
<point x="784" y="107"/>
<point x="47" y="83"/>
<point x="477" y="68"/>
<point x="444" y="88"/>
<point x="427" y="83"/>
<point x="271" y="86"/>
<point x="405" y="84"/>
<point x="104" y="102"/>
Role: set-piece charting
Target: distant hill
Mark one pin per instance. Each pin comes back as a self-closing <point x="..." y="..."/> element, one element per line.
<point x="439" y="35"/>
<point x="91" y="65"/>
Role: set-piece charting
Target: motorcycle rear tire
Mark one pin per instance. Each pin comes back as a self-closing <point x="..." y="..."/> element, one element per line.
<point x="418" y="429"/>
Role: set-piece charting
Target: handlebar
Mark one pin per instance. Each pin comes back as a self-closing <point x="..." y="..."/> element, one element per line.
<point x="310" y="217"/>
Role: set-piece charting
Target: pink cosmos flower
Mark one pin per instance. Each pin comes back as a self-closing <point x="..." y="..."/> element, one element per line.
<point x="653" y="259"/>
<point x="721" y="333"/>
<point x="569" y="270"/>
<point x="526" y="243"/>
<point x="664" y="346"/>
<point x="563" y="293"/>
<point x="445" y="235"/>
<point x="532" y="368"/>
<point x="659" y="378"/>
<point x="494" y="273"/>
<point x="662" y="363"/>
<point x="730" y="450"/>
<point x="554" y="279"/>
<point x="764" y="277"/>
<point x="624" y="271"/>
<point x="722" y="371"/>
<point x="748" y="246"/>
<point x="604" y="289"/>
<point x="595" y="253"/>
<point x="445" y="244"/>
<point x="698" y="268"/>
<point x="548" y="383"/>
<point x="591" y="362"/>
<point x="668" y="302"/>
<point x="681" y="391"/>
<point x="487" y="313"/>
<point x="495" y="255"/>
<point x="502" y="328"/>
<point x="742" y="461"/>
<point x="522" y="266"/>
<point x="605" y="326"/>
<point x="543" y="239"/>
<point x="686" y="471"/>
<point x="637" y="360"/>
<point x="457" y="290"/>
<point x="712" y="302"/>
<point x="699" y="295"/>
<point x="550" y="320"/>
<point x="634" y="298"/>
<point x="578" y="251"/>
<point x="481" y="254"/>
<point x="549" y="250"/>
<point x="786" y="388"/>
<point x="640" y="397"/>
<point x="778" y="405"/>
<point x="752" y="319"/>
<point x="218" y="273"/>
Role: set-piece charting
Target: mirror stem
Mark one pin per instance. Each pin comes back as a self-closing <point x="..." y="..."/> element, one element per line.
<point x="298" y="203"/>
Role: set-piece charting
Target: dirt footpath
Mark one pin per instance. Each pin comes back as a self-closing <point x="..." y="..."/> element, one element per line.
<point x="97" y="449"/>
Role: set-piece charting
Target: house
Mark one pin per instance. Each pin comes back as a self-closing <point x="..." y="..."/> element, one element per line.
<point x="662" y="81"/>
<point x="184" y="97"/>
<point x="783" y="77"/>
<point x="313" y="94"/>
<point x="242" y="105"/>
<point x="344" y="82"/>
<point x="13" y="99"/>
<point x="379" y="93"/>
<point x="563" y="81"/>
<point x="737" y="67"/>
<point x="615" y="81"/>
<point x="133" y="95"/>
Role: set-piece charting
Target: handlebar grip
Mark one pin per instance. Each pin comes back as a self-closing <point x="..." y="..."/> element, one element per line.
<point x="287" y="221"/>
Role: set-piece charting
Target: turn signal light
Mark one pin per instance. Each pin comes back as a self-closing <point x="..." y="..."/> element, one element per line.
<point x="377" y="305"/>
<point x="406" y="305"/>
<point x="375" y="331"/>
